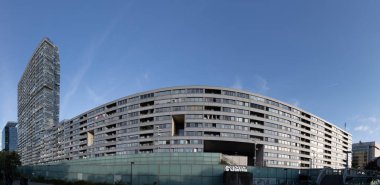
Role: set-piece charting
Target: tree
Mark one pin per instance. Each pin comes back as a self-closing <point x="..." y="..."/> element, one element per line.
<point x="373" y="164"/>
<point x="9" y="161"/>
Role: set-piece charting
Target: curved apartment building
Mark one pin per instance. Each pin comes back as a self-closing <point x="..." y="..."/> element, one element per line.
<point x="207" y="119"/>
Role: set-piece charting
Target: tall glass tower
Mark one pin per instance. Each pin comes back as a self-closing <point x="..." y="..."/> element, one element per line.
<point x="38" y="101"/>
<point x="9" y="137"/>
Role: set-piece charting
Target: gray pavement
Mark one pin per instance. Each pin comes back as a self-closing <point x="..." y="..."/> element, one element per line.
<point x="30" y="183"/>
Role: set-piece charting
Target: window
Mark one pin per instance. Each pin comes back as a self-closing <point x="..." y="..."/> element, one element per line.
<point x="132" y="122"/>
<point x="162" y="101"/>
<point x="242" y="95"/>
<point x="229" y="93"/>
<point x="272" y="103"/>
<point x="179" y="108"/>
<point x="227" y="126"/>
<point x="272" y="118"/>
<point x="122" y="102"/>
<point x="133" y="99"/>
<point x="227" y="134"/>
<point x="166" y="125"/>
<point x="256" y="98"/>
<point x="193" y="133"/>
<point x="257" y="106"/>
<point x="194" y="108"/>
<point x="212" y="125"/>
<point x="242" y="103"/>
<point x="194" y="116"/>
<point x="135" y="106"/>
<point x="285" y="107"/>
<point x="163" y="109"/>
<point x="179" y="91"/>
<point x="163" y="93"/>
<point x="228" y="101"/>
<point x="273" y="110"/>
<point x="145" y="96"/>
<point x="296" y="111"/>
<point x="162" y="118"/>
<point x="194" y="91"/>
<point x="270" y="147"/>
<point x="191" y="99"/>
<point x="133" y="114"/>
<point x="194" y="125"/>
<point x="214" y="100"/>
<point x="213" y="91"/>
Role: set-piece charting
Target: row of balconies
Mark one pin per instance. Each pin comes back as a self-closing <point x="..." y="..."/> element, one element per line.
<point x="152" y="118"/>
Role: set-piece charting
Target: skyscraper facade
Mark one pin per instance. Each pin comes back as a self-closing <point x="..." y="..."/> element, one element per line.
<point x="38" y="101"/>
<point x="9" y="137"/>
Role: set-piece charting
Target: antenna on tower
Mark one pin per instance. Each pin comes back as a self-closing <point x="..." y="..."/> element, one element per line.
<point x="345" y="126"/>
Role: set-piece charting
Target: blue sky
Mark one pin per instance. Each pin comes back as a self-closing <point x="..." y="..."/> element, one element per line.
<point x="322" y="56"/>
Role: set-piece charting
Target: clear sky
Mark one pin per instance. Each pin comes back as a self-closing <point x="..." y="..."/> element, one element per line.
<point x="323" y="56"/>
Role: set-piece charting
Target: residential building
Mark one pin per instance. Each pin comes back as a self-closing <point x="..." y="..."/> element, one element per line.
<point x="38" y="101"/>
<point x="208" y="119"/>
<point x="53" y="144"/>
<point x="9" y="137"/>
<point x="364" y="152"/>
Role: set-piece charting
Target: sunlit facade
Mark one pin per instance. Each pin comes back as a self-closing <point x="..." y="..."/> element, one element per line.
<point x="207" y="119"/>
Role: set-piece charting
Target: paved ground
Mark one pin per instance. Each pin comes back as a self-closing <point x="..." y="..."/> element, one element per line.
<point x="30" y="183"/>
